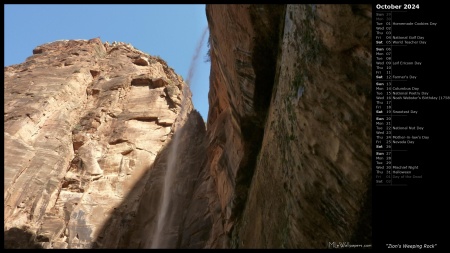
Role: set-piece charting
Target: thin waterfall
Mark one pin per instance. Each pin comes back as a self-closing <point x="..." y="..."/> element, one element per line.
<point x="165" y="215"/>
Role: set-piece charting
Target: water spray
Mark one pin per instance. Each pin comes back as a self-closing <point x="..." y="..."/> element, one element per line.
<point x="164" y="216"/>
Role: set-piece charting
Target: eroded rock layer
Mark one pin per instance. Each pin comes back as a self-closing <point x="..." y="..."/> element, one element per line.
<point x="84" y="122"/>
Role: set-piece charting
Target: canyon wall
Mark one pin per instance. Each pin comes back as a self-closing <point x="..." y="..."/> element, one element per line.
<point x="84" y="123"/>
<point x="92" y="128"/>
<point x="290" y="124"/>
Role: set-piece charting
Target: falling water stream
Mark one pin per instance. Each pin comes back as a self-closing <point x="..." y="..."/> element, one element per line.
<point x="164" y="215"/>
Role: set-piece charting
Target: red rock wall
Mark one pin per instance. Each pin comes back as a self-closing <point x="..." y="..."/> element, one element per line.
<point x="290" y="125"/>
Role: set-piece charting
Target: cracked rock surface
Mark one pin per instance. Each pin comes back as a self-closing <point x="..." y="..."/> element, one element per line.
<point x="84" y="122"/>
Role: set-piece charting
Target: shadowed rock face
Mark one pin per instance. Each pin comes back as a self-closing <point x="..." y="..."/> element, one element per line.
<point x="290" y="125"/>
<point x="188" y="222"/>
<point x="285" y="160"/>
<point x="243" y="42"/>
<point x="16" y="238"/>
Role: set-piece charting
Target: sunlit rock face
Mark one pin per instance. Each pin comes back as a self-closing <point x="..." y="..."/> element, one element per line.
<point x="84" y="122"/>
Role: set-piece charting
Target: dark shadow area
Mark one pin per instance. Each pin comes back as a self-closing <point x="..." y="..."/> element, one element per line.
<point x="268" y="23"/>
<point x="16" y="238"/>
<point x="132" y="224"/>
<point x="363" y="232"/>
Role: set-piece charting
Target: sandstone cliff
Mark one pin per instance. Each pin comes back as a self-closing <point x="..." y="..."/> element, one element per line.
<point x="84" y="122"/>
<point x="92" y="130"/>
